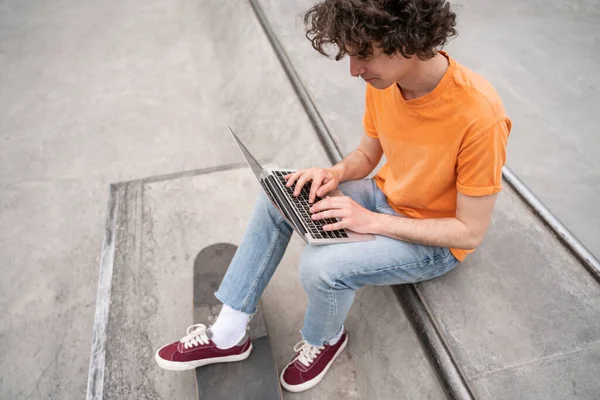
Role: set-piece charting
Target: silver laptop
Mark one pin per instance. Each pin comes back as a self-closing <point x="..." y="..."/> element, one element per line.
<point x="295" y="209"/>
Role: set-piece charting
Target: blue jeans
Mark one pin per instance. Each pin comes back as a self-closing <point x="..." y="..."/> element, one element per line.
<point x="330" y="274"/>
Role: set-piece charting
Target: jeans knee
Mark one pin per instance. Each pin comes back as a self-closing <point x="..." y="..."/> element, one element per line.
<point x="314" y="272"/>
<point x="308" y="275"/>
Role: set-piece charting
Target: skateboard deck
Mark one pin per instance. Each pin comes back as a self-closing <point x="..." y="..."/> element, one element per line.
<point x="256" y="377"/>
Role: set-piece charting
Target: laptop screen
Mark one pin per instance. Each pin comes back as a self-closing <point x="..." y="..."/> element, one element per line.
<point x="254" y="165"/>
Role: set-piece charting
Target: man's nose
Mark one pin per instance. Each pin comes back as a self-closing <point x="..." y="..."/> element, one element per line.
<point x="356" y="69"/>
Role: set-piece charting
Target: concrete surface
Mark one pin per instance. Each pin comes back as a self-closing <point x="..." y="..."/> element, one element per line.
<point x="93" y="93"/>
<point x="161" y="229"/>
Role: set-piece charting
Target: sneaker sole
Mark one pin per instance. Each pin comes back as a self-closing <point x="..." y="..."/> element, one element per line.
<point x="313" y="382"/>
<point x="184" y="366"/>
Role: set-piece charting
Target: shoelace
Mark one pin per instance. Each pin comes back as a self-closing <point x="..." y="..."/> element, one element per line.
<point x="307" y="352"/>
<point x="196" y="335"/>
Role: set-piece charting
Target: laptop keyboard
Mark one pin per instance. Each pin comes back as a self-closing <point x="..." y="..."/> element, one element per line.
<point x="302" y="205"/>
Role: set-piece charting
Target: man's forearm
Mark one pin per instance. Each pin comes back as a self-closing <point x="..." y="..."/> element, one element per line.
<point x="355" y="166"/>
<point x="442" y="232"/>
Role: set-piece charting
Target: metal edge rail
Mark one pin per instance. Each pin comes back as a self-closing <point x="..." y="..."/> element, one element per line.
<point x="591" y="263"/>
<point x="450" y="377"/>
<point x="447" y="371"/>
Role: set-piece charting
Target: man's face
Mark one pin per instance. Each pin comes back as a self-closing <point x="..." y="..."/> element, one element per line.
<point x="381" y="70"/>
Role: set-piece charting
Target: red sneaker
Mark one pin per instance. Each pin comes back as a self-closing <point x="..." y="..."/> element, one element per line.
<point x="310" y="365"/>
<point x="197" y="349"/>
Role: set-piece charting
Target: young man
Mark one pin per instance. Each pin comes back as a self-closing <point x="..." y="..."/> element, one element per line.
<point x="443" y="130"/>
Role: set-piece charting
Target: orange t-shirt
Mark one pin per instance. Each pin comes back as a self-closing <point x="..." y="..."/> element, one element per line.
<point x="450" y="140"/>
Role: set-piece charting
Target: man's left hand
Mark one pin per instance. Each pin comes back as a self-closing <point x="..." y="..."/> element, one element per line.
<point x="352" y="215"/>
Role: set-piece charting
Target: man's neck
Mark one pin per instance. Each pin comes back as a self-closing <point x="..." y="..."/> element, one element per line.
<point x="425" y="77"/>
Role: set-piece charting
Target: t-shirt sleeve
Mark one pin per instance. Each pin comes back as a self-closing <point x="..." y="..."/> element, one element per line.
<point x="368" y="121"/>
<point x="480" y="161"/>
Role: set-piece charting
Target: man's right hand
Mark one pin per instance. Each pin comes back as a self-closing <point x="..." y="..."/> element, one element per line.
<point x="324" y="180"/>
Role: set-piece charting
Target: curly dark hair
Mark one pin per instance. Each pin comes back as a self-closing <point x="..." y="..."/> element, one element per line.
<point x="410" y="27"/>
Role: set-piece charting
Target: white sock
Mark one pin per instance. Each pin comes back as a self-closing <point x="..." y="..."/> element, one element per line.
<point x="229" y="328"/>
<point x="336" y="339"/>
